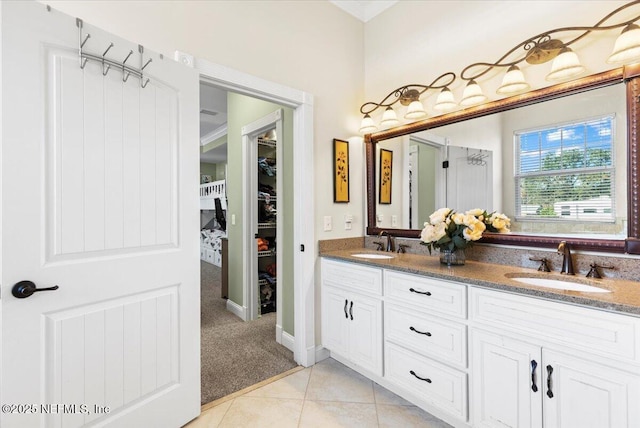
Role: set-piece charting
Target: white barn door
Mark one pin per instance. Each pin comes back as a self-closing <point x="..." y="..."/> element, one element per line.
<point x="99" y="197"/>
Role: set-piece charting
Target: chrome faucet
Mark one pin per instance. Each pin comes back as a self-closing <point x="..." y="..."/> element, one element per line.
<point x="567" y="264"/>
<point x="391" y="246"/>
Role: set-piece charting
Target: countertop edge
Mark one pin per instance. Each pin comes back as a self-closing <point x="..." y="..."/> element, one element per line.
<point x="574" y="298"/>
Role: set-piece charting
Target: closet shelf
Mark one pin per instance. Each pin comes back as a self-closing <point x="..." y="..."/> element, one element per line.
<point x="267" y="253"/>
<point x="267" y="143"/>
<point x="264" y="198"/>
<point x="262" y="282"/>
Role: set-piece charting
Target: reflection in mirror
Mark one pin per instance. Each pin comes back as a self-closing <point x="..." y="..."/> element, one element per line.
<point x="555" y="168"/>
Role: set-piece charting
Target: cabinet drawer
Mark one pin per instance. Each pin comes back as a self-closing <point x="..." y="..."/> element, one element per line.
<point x="352" y="276"/>
<point x="430" y="336"/>
<point x="599" y="332"/>
<point x="427" y="293"/>
<point x="440" y="385"/>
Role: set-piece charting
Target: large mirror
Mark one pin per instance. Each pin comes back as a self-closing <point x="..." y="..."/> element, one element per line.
<point x="556" y="161"/>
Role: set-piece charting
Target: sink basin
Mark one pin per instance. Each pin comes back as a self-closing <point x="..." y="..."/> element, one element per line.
<point x="372" y="256"/>
<point x="558" y="284"/>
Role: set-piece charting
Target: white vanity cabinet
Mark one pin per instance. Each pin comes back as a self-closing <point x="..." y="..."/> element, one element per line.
<point x="352" y="313"/>
<point x="479" y="357"/>
<point x="537" y="363"/>
<point x="425" y="337"/>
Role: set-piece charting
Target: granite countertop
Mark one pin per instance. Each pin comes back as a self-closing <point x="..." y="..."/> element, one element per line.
<point x="624" y="296"/>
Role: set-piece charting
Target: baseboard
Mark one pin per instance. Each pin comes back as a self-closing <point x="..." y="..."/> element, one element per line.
<point x="288" y="341"/>
<point x="236" y="309"/>
<point x="284" y="338"/>
<point x="322" y="353"/>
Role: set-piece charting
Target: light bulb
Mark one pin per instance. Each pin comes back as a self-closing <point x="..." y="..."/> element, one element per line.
<point x="367" y="126"/>
<point x="513" y="81"/>
<point x="472" y="94"/>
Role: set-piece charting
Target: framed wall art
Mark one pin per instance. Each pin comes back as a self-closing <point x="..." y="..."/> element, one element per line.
<point x="340" y="171"/>
<point x="386" y="169"/>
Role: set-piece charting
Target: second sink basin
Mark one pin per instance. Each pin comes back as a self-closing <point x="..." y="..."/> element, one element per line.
<point x="558" y="284"/>
<point x="372" y="256"/>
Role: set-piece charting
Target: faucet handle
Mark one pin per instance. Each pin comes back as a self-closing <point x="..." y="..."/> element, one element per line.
<point x="594" y="273"/>
<point x="402" y="248"/>
<point x="380" y="245"/>
<point x="544" y="267"/>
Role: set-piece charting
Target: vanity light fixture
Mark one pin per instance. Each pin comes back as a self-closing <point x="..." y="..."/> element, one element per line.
<point x="389" y="118"/>
<point x="445" y="100"/>
<point x="627" y="46"/>
<point x="513" y="81"/>
<point x="415" y="111"/>
<point x="565" y="65"/>
<point x="472" y="94"/>
<point x="368" y="125"/>
<point x="540" y="49"/>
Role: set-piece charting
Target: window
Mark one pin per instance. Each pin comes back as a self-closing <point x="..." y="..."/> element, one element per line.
<point x="565" y="172"/>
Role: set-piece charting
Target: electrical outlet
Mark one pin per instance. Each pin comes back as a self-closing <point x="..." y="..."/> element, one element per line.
<point x="327" y="223"/>
<point x="394" y="220"/>
<point x="379" y="218"/>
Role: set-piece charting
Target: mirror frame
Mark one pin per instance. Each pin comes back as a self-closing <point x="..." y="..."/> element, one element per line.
<point x="629" y="75"/>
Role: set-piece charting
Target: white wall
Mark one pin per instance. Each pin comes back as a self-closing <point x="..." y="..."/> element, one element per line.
<point x="312" y="46"/>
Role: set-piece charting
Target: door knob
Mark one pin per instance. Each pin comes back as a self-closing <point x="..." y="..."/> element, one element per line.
<point x="26" y="288"/>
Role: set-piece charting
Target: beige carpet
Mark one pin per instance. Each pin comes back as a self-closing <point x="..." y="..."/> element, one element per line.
<point x="235" y="354"/>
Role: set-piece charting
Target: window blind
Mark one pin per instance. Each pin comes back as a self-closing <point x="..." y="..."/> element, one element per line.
<point x="565" y="172"/>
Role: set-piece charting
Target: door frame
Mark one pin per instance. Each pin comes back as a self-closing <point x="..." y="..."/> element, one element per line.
<point x="304" y="347"/>
<point x="251" y="293"/>
<point x="436" y="142"/>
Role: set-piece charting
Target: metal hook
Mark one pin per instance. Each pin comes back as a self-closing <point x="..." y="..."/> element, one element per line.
<point x="144" y="85"/>
<point x="85" y="40"/>
<point x="105" y="71"/>
<point x="125" y="60"/>
<point x="125" y="76"/>
<point x="83" y="63"/>
<point x="147" y="63"/>
<point x="110" y="46"/>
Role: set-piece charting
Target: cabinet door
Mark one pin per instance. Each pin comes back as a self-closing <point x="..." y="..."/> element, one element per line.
<point x="335" y="321"/>
<point x="586" y="394"/>
<point x="504" y="393"/>
<point x="365" y="332"/>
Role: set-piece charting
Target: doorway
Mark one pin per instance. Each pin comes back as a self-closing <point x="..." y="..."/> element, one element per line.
<point x="239" y="323"/>
<point x="304" y="252"/>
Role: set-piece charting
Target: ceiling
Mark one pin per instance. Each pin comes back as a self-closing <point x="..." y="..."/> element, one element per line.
<point x="213" y="121"/>
<point x="364" y="10"/>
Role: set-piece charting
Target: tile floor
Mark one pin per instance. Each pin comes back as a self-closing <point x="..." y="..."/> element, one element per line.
<point x="328" y="394"/>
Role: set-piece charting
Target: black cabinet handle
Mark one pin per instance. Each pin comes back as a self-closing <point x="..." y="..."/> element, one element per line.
<point x="549" y="371"/>
<point x="426" y="379"/>
<point x="346" y="302"/>
<point x="426" y="333"/>
<point x="534" y="365"/>
<point x="24" y="289"/>
<point x="426" y="293"/>
<point x="351" y="310"/>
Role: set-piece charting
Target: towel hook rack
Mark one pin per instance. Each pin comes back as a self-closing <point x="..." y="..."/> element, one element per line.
<point x="108" y="63"/>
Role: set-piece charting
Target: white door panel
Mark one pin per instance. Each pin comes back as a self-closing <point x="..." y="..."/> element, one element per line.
<point x="99" y="197"/>
<point x="469" y="179"/>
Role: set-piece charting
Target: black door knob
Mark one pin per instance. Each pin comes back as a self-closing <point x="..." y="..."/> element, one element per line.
<point x="26" y="288"/>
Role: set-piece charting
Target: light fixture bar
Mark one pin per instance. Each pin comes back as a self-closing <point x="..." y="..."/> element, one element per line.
<point x="540" y="49"/>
